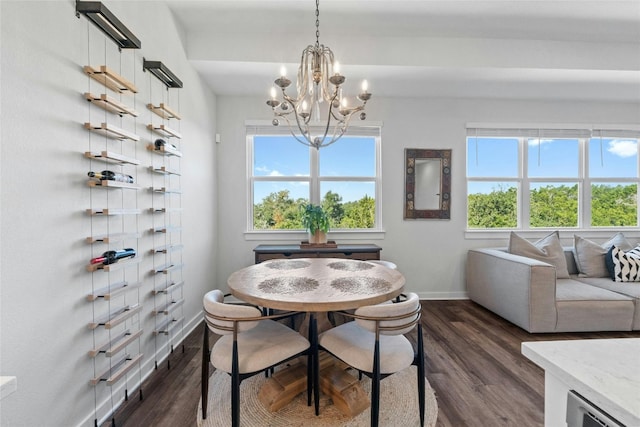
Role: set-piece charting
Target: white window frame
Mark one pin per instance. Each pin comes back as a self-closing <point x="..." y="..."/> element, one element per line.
<point x="260" y="127"/>
<point x="523" y="132"/>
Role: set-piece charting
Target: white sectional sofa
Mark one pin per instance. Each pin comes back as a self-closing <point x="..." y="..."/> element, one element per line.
<point x="525" y="291"/>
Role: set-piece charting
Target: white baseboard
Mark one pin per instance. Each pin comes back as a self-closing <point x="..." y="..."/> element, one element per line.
<point x="443" y="295"/>
<point x="147" y="368"/>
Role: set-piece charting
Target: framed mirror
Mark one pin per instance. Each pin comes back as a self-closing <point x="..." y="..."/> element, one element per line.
<point x="427" y="184"/>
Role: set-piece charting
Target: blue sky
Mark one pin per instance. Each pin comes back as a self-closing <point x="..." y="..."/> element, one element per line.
<point x="497" y="157"/>
<point x="279" y="156"/>
<point x="282" y="156"/>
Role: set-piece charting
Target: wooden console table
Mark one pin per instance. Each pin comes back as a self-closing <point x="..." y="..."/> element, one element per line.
<point x="361" y="252"/>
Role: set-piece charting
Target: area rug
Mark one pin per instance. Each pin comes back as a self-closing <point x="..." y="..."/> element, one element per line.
<point x="398" y="405"/>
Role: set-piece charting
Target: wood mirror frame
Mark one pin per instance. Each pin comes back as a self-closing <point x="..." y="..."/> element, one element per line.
<point x="427" y="184"/>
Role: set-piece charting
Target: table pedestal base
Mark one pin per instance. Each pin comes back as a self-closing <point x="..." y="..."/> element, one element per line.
<point x="345" y="390"/>
<point x="283" y="386"/>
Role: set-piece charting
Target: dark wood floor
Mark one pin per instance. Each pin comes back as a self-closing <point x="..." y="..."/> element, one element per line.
<point x="473" y="361"/>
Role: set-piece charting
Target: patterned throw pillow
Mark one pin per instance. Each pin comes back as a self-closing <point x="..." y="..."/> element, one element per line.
<point x="624" y="266"/>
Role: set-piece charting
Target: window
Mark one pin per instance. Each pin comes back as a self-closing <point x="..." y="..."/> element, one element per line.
<point x="551" y="178"/>
<point x="283" y="175"/>
<point x="613" y="173"/>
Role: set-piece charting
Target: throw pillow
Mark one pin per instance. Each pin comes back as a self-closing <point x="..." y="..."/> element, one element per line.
<point x="590" y="256"/>
<point x="548" y="249"/>
<point x="624" y="266"/>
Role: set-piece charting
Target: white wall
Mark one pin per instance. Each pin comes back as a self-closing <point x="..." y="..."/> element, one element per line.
<point x="44" y="338"/>
<point x="430" y="253"/>
<point x="44" y="314"/>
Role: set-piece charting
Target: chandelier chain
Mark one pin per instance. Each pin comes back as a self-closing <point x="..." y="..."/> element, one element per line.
<point x="317" y="22"/>
<point x="319" y="94"/>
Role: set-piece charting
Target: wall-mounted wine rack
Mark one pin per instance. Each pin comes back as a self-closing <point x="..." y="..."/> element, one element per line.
<point x="116" y="325"/>
<point x="116" y="260"/>
<point x="166" y="193"/>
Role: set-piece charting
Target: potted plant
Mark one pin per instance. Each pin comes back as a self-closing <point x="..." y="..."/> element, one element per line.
<point x="316" y="221"/>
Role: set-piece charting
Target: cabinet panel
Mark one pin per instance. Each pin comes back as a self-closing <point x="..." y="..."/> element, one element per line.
<point x="284" y="255"/>
<point x="363" y="256"/>
<point x="355" y="251"/>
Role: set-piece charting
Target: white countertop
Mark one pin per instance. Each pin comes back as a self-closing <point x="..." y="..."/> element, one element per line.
<point x="605" y="371"/>
<point x="7" y="386"/>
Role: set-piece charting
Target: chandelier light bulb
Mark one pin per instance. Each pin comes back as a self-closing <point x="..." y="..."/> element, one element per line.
<point x="304" y="113"/>
<point x="336" y="68"/>
<point x="344" y="107"/>
<point x="283" y="71"/>
<point x="273" y="102"/>
<point x="365" y="85"/>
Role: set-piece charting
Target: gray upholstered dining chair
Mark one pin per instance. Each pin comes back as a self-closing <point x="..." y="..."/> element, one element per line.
<point x="375" y="345"/>
<point x="250" y="343"/>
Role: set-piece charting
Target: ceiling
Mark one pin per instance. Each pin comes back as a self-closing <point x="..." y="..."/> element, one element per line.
<point x="518" y="49"/>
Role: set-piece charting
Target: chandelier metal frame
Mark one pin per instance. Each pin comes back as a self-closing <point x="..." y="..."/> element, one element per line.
<point x="318" y="81"/>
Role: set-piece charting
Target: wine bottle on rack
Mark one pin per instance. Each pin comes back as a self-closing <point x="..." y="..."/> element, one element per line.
<point x="111" y="176"/>
<point x="111" y="257"/>
<point x="159" y="143"/>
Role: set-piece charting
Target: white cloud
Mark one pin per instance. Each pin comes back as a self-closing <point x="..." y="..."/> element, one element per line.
<point x="267" y="171"/>
<point x="536" y="141"/>
<point x="623" y="148"/>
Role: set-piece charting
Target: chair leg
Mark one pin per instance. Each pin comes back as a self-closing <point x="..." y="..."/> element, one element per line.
<point x="235" y="388"/>
<point x="375" y="385"/>
<point x="268" y="372"/>
<point x="310" y="358"/>
<point x="421" y="374"/>
<point x="310" y="366"/>
<point x="313" y="335"/>
<point x="205" y="371"/>
<point x="309" y="376"/>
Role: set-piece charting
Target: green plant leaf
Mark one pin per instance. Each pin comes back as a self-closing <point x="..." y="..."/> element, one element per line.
<point x="314" y="218"/>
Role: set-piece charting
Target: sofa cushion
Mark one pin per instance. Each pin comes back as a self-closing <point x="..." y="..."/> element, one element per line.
<point x="621" y="288"/>
<point x="548" y="249"/>
<point x="574" y="290"/>
<point x="582" y="307"/>
<point x="590" y="256"/>
<point x="624" y="266"/>
<point x="610" y="285"/>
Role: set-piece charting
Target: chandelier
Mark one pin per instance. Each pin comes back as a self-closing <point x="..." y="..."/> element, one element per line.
<point x="319" y="103"/>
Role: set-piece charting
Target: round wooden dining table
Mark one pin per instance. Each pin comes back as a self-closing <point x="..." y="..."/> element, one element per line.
<point x="318" y="286"/>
